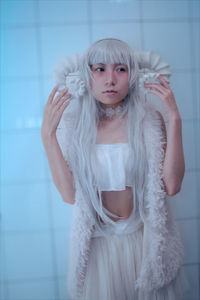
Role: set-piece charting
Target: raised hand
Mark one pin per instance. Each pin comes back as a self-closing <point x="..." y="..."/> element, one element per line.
<point x="53" y="111"/>
<point x="164" y="92"/>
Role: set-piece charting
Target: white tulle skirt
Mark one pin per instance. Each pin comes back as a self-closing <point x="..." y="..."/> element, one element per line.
<point x="114" y="266"/>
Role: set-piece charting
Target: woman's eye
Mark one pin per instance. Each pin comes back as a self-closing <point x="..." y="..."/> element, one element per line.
<point x="122" y="69"/>
<point x="99" y="69"/>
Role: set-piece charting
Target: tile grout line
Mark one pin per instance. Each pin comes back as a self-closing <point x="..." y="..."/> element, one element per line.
<point x="141" y="24"/>
<point x="90" y="20"/>
<point x="105" y="21"/>
<point x="5" y="291"/>
<point x="9" y="78"/>
<point x="3" y="270"/>
<point x="195" y="99"/>
<point x="63" y="229"/>
<point x="48" y="194"/>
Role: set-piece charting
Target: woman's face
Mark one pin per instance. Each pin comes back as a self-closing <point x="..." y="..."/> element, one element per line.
<point x="110" y="83"/>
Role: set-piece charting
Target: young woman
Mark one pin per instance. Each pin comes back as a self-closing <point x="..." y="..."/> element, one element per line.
<point x="114" y="161"/>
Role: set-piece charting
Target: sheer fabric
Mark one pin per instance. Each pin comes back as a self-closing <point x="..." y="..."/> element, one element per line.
<point x="111" y="166"/>
<point x="115" y="263"/>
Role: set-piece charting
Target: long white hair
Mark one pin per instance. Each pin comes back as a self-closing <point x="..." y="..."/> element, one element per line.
<point x="82" y="145"/>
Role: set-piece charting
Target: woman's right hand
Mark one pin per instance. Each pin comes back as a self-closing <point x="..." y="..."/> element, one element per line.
<point x="53" y="111"/>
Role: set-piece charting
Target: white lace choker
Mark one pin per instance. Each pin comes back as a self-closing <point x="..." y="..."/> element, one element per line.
<point x="110" y="112"/>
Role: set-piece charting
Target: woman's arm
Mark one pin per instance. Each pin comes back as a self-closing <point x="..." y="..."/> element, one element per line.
<point x="61" y="174"/>
<point x="174" y="163"/>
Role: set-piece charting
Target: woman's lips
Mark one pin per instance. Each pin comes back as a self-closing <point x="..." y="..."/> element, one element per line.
<point x="110" y="92"/>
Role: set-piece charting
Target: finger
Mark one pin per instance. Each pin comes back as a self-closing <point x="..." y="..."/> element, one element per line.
<point x="156" y="93"/>
<point x="62" y="93"/>
<point x="51" y="96"/>
<point x="65" y="104"/>
<point x="156" y="86"/>
<point x="63" y="101"/>
<point x="162" y="79"/>
<point x="61" y="110"/>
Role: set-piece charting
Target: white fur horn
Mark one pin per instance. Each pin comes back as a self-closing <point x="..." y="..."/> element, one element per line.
<point x="66" y="74"/>
<point x="151" y="65"/>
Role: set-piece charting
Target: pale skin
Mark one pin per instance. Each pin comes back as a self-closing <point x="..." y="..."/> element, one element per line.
<point x="62" y="177"/>
<point x="115" y="77"/>
<point x="112" y="77"/>
<point x="174" y="163"/>
<point x="113" y="131"/>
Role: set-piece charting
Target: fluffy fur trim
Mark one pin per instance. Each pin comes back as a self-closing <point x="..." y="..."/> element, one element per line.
<point x="162" y="247"/>
<point x="66" y="74"/>
<point x="79" y="251"/>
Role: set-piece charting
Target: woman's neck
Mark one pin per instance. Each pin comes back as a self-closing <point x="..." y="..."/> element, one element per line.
<point x="113" y="112"/>
<point x="113" y="106"/>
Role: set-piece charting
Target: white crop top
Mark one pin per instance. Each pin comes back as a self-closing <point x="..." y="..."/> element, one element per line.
<point x="111" y="166"/>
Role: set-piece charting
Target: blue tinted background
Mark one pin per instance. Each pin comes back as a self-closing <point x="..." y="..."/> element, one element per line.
<point x="35" y="221"/>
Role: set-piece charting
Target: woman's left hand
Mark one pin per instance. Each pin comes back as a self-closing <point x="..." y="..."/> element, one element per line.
<point x="164" y="92"/>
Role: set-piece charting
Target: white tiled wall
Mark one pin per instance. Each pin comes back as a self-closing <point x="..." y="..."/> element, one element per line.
<point x="35" y="222"/>
<point x="61" y="40"/>
<point x="19" y="51"/>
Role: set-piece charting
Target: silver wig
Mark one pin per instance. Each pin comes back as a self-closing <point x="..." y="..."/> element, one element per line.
<point x="86" y="122"/>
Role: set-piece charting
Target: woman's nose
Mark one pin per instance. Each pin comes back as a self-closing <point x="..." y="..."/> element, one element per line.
<point x="110" y="77"/>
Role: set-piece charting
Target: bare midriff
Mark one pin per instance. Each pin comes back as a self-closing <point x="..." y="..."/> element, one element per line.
<point x="119" y="203"/>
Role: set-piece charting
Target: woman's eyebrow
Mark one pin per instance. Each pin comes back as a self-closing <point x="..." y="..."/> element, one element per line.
<point x="118" y="64"/>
